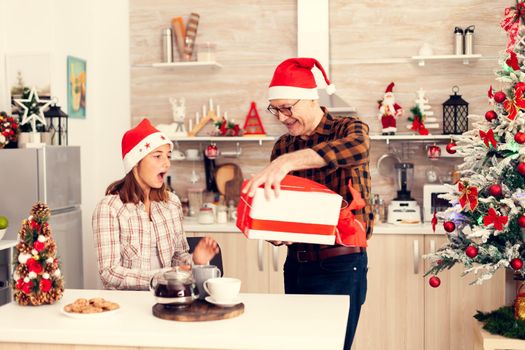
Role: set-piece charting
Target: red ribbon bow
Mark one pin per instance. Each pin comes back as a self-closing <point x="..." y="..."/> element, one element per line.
<point x="469" y="196"/>
<point x="418" y="126"/>
<point x="488" y="137"/>
<point x="348" y="225"/>
<point x="512" y="106"/>
<point x="511" y="23"/>
<point x="493" y="218"/>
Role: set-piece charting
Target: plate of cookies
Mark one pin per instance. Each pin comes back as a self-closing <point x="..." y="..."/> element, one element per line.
<point x="89" y="308"/>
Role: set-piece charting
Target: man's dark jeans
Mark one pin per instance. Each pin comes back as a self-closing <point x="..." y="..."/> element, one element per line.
<point x="345" y="274"/>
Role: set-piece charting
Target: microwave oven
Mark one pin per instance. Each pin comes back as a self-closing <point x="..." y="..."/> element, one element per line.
<point x="432" y="202"/>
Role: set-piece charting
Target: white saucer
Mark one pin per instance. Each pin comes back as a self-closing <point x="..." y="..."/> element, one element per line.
<point x="230" y="303"/>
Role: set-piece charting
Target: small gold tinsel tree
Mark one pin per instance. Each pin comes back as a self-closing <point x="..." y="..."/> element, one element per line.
<point x="37" y="277"/>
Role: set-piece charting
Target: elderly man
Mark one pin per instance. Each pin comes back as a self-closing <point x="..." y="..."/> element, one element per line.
<point x="330" y="151"/>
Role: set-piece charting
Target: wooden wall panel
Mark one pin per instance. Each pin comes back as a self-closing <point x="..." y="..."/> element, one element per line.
<point x="253" y="36"/>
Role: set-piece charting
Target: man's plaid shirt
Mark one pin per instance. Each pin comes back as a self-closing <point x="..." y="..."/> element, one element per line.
<point x="344" y="145"/>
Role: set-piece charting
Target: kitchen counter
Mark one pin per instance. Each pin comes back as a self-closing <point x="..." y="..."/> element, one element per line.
<point x="5" y="244"/>
<point x="270" y="321"/>
<point x="191" y="225"/>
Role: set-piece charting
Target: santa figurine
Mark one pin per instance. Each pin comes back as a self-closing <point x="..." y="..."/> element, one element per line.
<point x="389" y="110"/>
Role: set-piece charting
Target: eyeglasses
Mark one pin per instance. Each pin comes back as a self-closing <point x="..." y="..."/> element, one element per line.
<point x="286" y="111"/>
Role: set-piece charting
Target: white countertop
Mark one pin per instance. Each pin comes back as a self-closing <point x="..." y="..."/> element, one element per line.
<point x="270" y="321"/>
<point x="5" y="244"/>
<point x="191" y="225"/>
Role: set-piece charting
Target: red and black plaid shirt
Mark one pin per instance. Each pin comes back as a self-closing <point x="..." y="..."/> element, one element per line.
<point x="344" y="145"/>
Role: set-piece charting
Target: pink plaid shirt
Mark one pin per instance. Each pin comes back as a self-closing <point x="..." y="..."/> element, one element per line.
<point x="123" y="234"/>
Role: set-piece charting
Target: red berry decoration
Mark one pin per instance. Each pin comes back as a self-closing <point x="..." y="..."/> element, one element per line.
<point x="471" y="251"/>
<point x="449" y="226"/>
<point x="516" y="263"/>
<point x="495" y="190"/>
<point x="491" y="115"/>
<point x="450" y="147"/>
<point x="434" y="281"/>
<point x="499" y="96"/>
<point x="520" y="137"/>
<point x="521" y="168"/>
<point x="521" y="221"/>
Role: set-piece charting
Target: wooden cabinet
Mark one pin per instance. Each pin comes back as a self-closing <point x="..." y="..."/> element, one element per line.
<point x="449" y="309"/>
<point x="257" y="263"/>
<point x="403" y="312"/>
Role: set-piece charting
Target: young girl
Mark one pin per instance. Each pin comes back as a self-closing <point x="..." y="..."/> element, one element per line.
<point x="137" y="226"/>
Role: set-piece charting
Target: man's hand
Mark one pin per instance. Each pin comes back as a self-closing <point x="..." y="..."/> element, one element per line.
<point x="271" y="176"/>
<point x="279" y="243"/>
<point x="205" y="251"/>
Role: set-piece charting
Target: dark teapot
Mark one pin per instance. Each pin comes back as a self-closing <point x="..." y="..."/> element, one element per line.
<point x="174" y="288"/>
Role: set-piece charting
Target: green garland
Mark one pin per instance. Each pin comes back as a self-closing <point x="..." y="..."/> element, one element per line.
<point x="502" y="322"/>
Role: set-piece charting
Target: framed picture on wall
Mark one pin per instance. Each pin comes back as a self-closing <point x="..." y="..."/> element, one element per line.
<point x="28" y="70"/>
<point x="76" y="87"/>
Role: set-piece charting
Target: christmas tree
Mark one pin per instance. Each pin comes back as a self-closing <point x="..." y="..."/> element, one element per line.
<point x="37" y="277"/>
<point x="486" y="220"/>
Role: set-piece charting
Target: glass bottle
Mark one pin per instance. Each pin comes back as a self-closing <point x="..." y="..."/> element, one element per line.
<point x="168" y="184"/>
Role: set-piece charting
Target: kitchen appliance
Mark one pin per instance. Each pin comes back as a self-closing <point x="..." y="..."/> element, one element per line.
<point x="431" y="200"/>
<point x="404" y="209"/>
<point x="50" y="174"/>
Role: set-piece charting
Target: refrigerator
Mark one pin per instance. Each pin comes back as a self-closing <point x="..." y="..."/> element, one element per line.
<point x="50" y="174"/>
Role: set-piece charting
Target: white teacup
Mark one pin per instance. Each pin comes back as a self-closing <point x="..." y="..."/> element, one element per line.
<point x="223" y="289"/>
<point x="192" y="154"/>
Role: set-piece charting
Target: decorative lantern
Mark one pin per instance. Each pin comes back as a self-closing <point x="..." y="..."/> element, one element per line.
<point x="455" y="113"/>
<point x="57" y="124"/>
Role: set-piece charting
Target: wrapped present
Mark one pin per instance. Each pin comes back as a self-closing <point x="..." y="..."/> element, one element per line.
<point x="305" y="212"/>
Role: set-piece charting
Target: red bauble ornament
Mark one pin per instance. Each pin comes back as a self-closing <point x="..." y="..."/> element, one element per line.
<point x="495" y="190"/>
<point x="499" y="97"/>
<point x="45" y="285"/>
<point x="449" y="226"/>
<point x="491" y="115"/>
<point x="521" y="221"/>
<point x="450" y="149"/>
<point x="520" y="137"/>
<point x="434" y="281"/>
<point x="516" y="263"/>
<point x="521" y="168"/>
<point x="471" y="251"/>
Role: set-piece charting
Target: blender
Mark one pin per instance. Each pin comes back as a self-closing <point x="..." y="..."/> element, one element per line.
<point x="404" y="209"/>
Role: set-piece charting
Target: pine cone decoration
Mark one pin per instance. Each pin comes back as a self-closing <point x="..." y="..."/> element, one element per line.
<point x="40" y="212"/>
<point x="21" y="298"/>
<point x="36" y="299"/>
<point x="22" y="270"/>
<point x="54" y="295"/>
<point x="23" y="248"/>
<point x="51" y="248"/>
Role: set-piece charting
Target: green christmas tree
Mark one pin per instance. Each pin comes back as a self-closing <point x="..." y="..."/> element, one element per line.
<point x="37" y="278"/>
<point x="486" y="220"/>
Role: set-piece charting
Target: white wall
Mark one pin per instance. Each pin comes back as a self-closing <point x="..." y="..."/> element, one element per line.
<point x="97" y="31"/>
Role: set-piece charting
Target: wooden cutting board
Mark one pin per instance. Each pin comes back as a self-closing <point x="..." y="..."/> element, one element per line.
<point x="198" y="311"/>
<point x="229" y="181"/>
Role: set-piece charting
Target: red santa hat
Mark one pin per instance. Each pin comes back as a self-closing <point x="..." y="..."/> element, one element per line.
<point x="389" y="87"/>
<point x="139" y="142"/>
<point x="293" y="79"/>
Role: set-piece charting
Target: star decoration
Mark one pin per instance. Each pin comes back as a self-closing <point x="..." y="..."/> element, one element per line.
<point x="42" y="106"/>
<point x="147" y="145"/>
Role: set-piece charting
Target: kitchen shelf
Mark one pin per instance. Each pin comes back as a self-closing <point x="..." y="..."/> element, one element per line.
<point x="174" y="65"/>
<point x="465" y="58"/>
<point x="388" y="138"/>
<point x="224" y="138"/>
